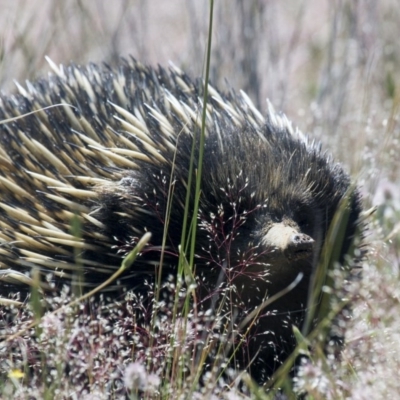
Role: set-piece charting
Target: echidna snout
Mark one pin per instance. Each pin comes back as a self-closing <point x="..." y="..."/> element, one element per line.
<point x="299" y="246"/>
<point x="288" y="241"/>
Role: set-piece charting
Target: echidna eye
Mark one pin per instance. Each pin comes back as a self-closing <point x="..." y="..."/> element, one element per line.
<point x="304" y="219"/>
<point x="303" y="223"/>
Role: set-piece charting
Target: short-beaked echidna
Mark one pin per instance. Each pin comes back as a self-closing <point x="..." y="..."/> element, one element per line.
<point x="115" y="147"/>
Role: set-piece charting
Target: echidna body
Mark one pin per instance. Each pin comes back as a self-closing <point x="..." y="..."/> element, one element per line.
<point x="113" y="147"/>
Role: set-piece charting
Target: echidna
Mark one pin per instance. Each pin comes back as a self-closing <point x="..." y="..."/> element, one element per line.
<point x="112" y="147"/>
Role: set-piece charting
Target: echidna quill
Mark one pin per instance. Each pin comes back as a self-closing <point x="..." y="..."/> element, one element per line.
<point x="114" y="151"/>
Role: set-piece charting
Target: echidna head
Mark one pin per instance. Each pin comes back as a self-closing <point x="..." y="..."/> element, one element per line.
<point x="267" y="199"/>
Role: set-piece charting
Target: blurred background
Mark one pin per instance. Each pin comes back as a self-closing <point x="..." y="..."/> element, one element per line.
<point x="332" y="66"/>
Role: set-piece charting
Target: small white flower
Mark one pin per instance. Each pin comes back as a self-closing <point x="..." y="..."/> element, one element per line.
<point x="137" y="378"/>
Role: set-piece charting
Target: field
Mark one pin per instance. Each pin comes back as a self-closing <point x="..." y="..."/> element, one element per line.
<point x="333" y="67"/>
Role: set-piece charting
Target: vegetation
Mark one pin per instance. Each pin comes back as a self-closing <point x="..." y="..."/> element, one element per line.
<point x="333" y="68"/>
